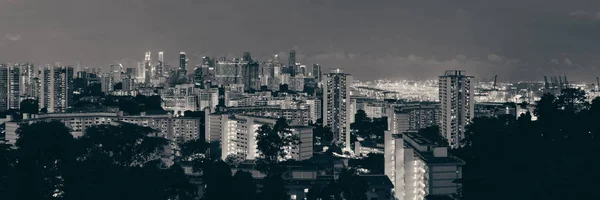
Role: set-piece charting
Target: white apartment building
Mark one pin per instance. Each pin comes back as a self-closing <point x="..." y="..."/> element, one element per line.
<point x="336" y="105"/>
<point x="457" y="105"/>
<point x="417" y="167"/>
<point x="237" y="136"/>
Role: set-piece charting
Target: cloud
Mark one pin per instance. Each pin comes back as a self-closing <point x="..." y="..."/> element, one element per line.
<point x="586" y="15"/>
<point x="568" y="61"/>
<point x="13" y="37"/>
<point x="579" y="13"/>
<point x="495" y="58"/>
<point x="416" y="66"/>
<point x="554" y="60"/>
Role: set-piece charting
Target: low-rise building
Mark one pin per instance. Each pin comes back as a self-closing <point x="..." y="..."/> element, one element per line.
<point x="237" y="136"/>
<point x="174" y="129"/>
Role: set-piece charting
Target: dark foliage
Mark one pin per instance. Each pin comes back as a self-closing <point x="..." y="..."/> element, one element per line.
<point x="217" y="177"/>
<point x="271" y="144"/>
<point x="274" y="188"/>
<point x="108" y="162"/>
<point x="29" y="106"/>
<point x="433" y="134"/>
<point x="554" y="157"/>
<point x="118" y="86"/>
<point x="245" y="186"/>
<point x="348" y="186"/>
<point x="366" y="127"/>
<point x="374" y="162"/>
<point x="134" y="105"/>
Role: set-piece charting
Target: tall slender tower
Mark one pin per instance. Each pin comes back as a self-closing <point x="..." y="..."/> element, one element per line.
<point x="316" y="72"/>
<point x="160" y="65"/>
<point x="182" y="71"/>
<point x="4" y="86"/>
<point x="147" y="67"/>
<point x="292" y="59"/>
<point x="183" y="61"/>
<point x="457" y="105"/>
<point x="14" y="90"/>
<point x="336" y="105"/>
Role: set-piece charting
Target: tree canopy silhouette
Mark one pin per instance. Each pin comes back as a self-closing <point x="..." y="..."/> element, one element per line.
<point x="554" y="157"/>
<point x="107" y="162"/>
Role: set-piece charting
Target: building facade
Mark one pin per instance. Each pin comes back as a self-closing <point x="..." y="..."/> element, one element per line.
<point x="237" y="136"/>
<point x="457" y="105"/>
<point x="57" y="88"/>
<point x="336" y="105"/>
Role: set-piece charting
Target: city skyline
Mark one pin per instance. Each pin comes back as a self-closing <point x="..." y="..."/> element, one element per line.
<point x="516" y="42"/>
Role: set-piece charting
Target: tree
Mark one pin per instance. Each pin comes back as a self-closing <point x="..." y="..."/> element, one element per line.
<point x="233" y="160"/>
<point x="217" y="177"/>
<point x="272" y="142"/>
<point x="374" y="162"/>
<point x="193" y="149"/>
<point x="124" y="145"/>
<point x="245" y="186"/>
<point x="43" y="159"/>
<point x="432" y="133"/>
<point x="107" y="162"/>
<point x="189" y="113"/>
<point x="7" y="168"/>
<point x="353" y="187"/>
<point x="314" y="192"/>
<point x="274" y="188"/>
<point x="29" y="106"/>
<point x="118" y="86"/>
<point x="125" y="160"/>
<point x="553" y="157"/>
<point x="154" y="103"/>
<point x="362" y="124"/>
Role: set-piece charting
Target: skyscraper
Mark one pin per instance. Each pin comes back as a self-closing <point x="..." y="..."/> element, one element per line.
<point x="14" y="91"/>
<point x="250" y="73"/>
<point x="182" y="71"/>
<point x="317" y="72"/>
<point x="160" y="65"/>
<point x="336" y="105"/>
<point x="57" y="88"/>
<point x="292" y="59"/>
<point x="457" y="105"/>
<point x="28" y="72"/>
<point x="78" y="68"/>
<point x="4" y="76"/>
<point x="183" y="61"/>
<point x="147" y="67"/>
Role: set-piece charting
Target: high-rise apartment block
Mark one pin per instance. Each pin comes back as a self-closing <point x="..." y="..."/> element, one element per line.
<point x="316" y="73"/>
<point x="57" y="88"/>
<point x="336" y="105"/>
<point x="457" y="105"/>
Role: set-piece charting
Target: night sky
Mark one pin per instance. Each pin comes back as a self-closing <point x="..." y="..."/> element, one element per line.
<point x="417" y="39"/>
